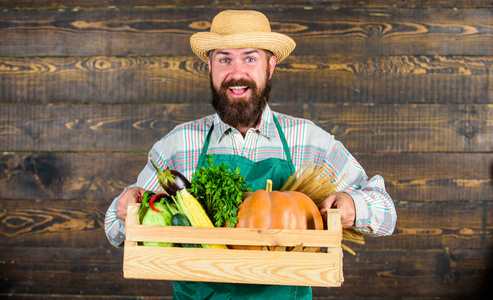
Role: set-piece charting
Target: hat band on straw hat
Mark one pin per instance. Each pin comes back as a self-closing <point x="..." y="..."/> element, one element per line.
<point x="241" y="29"/>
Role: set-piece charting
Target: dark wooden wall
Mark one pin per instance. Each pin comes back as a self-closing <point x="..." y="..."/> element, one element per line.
<point x="86" y="88"/>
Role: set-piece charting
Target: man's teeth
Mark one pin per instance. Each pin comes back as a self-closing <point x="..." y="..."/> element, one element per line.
<point x="238" y="87"/>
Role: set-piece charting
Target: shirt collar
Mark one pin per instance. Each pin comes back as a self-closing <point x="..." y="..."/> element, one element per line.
<point x="266" y="126"/>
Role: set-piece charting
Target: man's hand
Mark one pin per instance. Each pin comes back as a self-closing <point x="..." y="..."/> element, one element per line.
<point x="130" y="196"/>
<point x="341" y="201"/>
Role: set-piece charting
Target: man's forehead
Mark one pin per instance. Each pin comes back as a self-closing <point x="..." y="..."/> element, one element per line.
<point x="240" y="51"/>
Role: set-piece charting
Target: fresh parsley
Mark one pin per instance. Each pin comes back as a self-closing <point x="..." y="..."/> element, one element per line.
<point x="220" y="191"/>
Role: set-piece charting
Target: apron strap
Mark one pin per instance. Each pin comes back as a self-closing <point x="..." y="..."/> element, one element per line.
<point x="285" y="146"/>
<point x="205" y="148"/>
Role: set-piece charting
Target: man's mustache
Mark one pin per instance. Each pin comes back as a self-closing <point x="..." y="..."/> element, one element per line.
<point x="239" y="82"/>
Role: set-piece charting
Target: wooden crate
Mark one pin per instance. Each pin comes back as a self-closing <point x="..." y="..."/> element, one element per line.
<point x="231" y="265"/>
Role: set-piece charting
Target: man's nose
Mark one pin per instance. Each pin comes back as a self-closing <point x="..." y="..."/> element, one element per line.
<point x="237" y="70"/>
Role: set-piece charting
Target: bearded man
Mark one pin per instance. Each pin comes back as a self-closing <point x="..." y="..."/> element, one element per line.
<point x="242" y="52"/>
<point x="240" y="84"/>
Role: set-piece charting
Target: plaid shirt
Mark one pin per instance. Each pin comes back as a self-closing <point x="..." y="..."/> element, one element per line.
<point x="180" y="150"/>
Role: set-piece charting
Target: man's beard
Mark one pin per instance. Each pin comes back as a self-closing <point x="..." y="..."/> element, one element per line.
<point x="240" y="112"/>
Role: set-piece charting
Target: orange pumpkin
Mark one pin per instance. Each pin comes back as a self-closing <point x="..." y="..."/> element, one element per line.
<point x="278" y="210"/>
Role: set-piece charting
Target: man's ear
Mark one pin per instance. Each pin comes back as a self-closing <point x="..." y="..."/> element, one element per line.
<point x="209" y="55"/>
<point x="209" y="63"/>
<point x="272" y="65"/>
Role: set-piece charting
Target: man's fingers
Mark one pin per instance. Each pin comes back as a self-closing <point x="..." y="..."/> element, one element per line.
<point x="328" y="202"/>
<point x="326" y="205"/>
<point x="344" y="203"/>
<point x="130" y="196"/>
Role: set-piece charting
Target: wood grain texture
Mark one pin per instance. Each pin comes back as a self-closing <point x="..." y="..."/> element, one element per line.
<point x="394" y="273"/>
<point x="389" y="31"/>
<point x="375" y="128"/>
<point x="92" y="128"/>
<point x="66" y="176"/>
<point x="232" y="4"/>
<point x="407" y="128"/>
<point x="422" y="177"/>
<point x="234" y="266"/>
<point x="79" y="224"/>
<point x="437" y="225"/>
<point x="451" y="274"/>
<point x="232" y="236"/>
<point x="298" y="79"/>
<point x="53" y="223"/>
<point x="86" y="88"/>
<point x="72" y="271"/>
<point x="433" y="177"/>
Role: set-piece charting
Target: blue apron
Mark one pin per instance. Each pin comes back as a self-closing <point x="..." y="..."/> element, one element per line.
<point x="256" y="175"/>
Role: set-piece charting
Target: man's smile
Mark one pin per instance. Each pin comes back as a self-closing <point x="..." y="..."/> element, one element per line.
<point x="238" y="90"/>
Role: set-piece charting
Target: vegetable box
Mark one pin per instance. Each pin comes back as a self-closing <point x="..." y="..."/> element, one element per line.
<point x="301" y="266"/>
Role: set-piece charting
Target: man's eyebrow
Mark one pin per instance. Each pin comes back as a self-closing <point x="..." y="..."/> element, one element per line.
<point x="221" y="52"/>
<point x="250" y="52"/>
<point x="224" y="52"/>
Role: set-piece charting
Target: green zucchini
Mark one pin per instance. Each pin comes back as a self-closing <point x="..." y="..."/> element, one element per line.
<point x="180" y="220"/>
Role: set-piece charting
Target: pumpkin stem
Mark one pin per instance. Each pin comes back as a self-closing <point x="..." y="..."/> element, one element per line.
<point x="268" y="186"/>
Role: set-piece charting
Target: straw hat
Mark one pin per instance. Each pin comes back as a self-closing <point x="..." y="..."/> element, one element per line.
<point x="232" y="29"/>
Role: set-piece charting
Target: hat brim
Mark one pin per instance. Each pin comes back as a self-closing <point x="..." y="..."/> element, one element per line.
<point x="279" y="44"/>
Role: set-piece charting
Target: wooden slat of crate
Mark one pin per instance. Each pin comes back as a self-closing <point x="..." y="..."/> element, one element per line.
<point x="233" y="236"/>
<point x="234" y="266"/>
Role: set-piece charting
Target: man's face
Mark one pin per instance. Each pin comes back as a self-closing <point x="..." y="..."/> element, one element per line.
<point x="240" y="83"/>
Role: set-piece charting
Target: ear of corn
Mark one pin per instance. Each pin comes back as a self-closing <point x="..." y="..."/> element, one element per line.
<point x="196" y="213"/>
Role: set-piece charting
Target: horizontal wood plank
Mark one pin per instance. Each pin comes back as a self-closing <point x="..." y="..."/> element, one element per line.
<point x="422" y="31"/>
<point x="235" y="236"/>
<point x="299" y="79"/>
<point x="362" y="128"/>
<point x="79" y="224"/>
<point x="234" y="266"/>
<point x="437" y="225"/>
<point x="443" y="273"/>
<point x="52" y="223"/>
<point x="91" y="128"/>
<point x="433" y="177"/>
<point x="408" y="128"/>
<point x="95" y="271"/>
<point x="395" y="274"/>
<point x="421" y="177"/>
<point x="67" y="176"/>
<point x="232" y="4"/>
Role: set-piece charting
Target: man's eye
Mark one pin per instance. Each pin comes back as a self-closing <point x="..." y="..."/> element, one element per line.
<point x="224" y="60"/>
<point x="250" y="59"/>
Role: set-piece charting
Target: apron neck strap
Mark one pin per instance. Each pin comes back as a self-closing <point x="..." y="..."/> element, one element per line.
<point x="285" y="146"/>
<point x="284" y="142"/>
<point x="203" y="154"/>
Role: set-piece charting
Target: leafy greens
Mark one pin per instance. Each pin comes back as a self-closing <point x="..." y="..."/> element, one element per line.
<point x="220" y="191"/>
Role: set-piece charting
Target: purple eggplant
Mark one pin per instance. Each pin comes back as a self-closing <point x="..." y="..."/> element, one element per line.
<point x="172" y="181"/>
